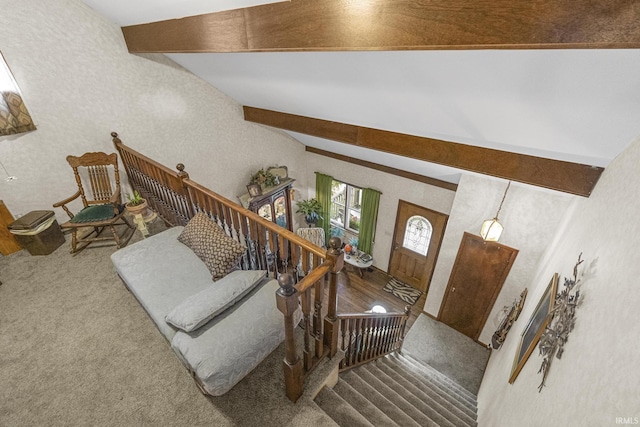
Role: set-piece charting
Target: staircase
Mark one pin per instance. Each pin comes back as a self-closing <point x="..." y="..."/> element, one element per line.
<point x="397" y="390"/>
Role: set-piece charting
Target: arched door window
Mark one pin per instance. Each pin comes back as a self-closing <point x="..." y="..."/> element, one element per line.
<point x="417" y="234"/>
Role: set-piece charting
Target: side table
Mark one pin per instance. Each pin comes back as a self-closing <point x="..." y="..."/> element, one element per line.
<point x="357" y="262"/>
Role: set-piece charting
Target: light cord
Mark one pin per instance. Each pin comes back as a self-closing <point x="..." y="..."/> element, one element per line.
<point x="503" y="197"/>
<point x="9" y="177"/>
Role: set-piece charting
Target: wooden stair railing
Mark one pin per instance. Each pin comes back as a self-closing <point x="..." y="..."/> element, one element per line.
<point x="366" y="337"/>
<point x="176" y="199"/>
<point x="320" y="335"/>
<point x="163" y="188"/>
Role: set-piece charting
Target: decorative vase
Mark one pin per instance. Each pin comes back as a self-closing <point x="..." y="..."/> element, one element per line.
<point x="311" y="219"/>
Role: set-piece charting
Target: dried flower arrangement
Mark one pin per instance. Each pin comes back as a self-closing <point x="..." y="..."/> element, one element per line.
<point x="556" y="334"/>
<point x="264" y="179"/>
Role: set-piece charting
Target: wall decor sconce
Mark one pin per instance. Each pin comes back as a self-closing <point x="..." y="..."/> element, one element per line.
<point x="492" y="229"/>
<point x="511" y="315"/>
<point x="14" y="116"/>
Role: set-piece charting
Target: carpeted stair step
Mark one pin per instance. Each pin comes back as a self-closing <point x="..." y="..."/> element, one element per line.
<point x="429" y="402"/>
<point x="429" y="375"/>
<point x="427" y="384"/>
<point x="379" y="399"/>
<point x="398" y="390"/>
<point x="363" y="405"/>
<point x="411" y="404"/>
<point x="409" y="381"/>
<point x="339" y="410"/>
<point x="468" y="394"/>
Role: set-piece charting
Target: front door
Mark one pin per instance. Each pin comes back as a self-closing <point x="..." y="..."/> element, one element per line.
<point x="479" y="271"/>
<point x="416" y="242"/>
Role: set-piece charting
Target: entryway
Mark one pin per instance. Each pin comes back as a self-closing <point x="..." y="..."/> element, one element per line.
<point x="416" y="242"/>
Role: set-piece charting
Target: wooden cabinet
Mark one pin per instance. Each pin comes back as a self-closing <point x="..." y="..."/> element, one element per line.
<point x="275" y="204"/>
<point x="8" y="243"/>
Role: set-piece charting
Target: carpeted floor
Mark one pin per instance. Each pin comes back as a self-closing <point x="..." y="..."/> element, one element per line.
<point x="77" y="349"/>
<point x="448" y="351"/>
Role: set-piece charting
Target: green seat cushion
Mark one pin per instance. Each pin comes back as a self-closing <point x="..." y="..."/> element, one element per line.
<point x="94" y="213"/>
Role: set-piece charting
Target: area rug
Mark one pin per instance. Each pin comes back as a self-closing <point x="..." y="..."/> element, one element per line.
<point x="403" y="291"/>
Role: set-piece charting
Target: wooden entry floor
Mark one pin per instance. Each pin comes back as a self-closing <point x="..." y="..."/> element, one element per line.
<point x="357" y="295"/>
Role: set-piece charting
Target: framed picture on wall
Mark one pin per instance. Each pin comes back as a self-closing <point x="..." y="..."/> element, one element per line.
<point x="537" y="323"/>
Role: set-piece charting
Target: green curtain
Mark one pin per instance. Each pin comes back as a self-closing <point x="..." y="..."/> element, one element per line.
<point x="323" y="195"/>
<point x="368" y="219"/>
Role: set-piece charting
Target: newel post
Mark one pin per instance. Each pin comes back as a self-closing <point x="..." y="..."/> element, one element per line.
<point x="287" y="303"/>
<point x="331" y="326"/>
<point x="407" y="312"/>
<point x="182" y="176"/>
<point x="117" y="142"/>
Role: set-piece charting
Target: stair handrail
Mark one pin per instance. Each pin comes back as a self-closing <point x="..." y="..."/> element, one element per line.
<point x="176" y="199"/>
<point x="365" y="337"/>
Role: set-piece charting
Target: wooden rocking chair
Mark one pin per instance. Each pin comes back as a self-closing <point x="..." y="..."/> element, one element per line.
<point x="105" y="209"/>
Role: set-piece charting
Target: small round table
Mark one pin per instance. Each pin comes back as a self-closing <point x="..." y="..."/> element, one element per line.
<point x="357" y="262"/>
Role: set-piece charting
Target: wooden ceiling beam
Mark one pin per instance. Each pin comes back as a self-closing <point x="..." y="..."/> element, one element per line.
<point x="336" y="25"/>
<point x="573" y="178"/>
<point x="386" y="169"/>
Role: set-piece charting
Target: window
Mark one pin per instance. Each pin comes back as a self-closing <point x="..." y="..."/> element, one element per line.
<point x="417" y="234"/>
<point x="346" y="207"/>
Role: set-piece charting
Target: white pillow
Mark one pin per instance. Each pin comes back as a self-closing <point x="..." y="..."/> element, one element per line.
<point x="198" y="309"/>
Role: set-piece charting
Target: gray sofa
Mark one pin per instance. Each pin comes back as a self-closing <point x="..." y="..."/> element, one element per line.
<point x="166" y="276"/>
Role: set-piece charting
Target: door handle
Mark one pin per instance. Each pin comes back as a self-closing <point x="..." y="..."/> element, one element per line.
<point x="453" y="290"/>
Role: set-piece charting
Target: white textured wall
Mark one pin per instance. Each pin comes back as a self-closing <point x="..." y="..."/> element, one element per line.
<point x="598" y="378"/>
<point x="530" y="217"/>
<point x="80" y="83"/>
<point x="393" y="188"/>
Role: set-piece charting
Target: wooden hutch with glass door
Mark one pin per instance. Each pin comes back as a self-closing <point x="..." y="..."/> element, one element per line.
<point x="275" y="204"/>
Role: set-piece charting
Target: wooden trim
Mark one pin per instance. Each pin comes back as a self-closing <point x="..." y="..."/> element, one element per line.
<point x="382" y="168"/>
<point x="334" y="131"/>
<point x="8" y="242"/>
<point x="331" y="25"/>
<point x="573" y="178"/>
<point x="430" y="315"/>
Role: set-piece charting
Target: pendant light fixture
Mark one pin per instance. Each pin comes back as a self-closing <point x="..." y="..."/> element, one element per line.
<point x="491" y="228"/>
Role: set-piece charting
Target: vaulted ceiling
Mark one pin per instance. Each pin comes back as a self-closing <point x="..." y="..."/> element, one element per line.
<point x="550" y="79"/>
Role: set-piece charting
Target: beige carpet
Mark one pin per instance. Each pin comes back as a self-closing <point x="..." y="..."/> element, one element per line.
<point x="448" y="351"/>
<point x="76" y="349"/>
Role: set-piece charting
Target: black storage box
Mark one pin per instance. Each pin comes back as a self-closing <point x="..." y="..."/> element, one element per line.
<point x="38" y="232"/>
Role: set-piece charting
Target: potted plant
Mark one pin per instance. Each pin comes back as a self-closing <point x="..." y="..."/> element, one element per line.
<point x="353" y="246"/>
<point x="311" y="209"/>
<point x="137" y="205"/>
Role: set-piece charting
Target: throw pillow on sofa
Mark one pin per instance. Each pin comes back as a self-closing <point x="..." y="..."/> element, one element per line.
<point x="198" y="309"/>
<point x="205" y="238"/>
